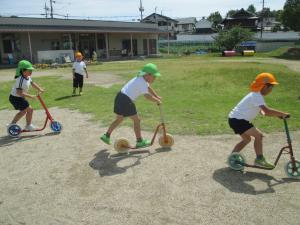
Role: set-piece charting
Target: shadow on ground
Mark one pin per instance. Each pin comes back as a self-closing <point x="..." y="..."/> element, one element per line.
<point x="66" y="97"/>
<point x="7" y="140"/>
<point x="107" y="164"/>
<point x="237" y="181"/>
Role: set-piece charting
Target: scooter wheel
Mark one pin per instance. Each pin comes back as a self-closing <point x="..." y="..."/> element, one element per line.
<point x="14" y="130"/>
<point x="236" y="161"/>
<point x="121" y="145"/>
<point x="289" y="169"/>
<point x="166" y="142"/>
<point x="56" y="126"/>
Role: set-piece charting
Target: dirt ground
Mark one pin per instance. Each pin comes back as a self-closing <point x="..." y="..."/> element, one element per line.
<point x="72" y="178"/>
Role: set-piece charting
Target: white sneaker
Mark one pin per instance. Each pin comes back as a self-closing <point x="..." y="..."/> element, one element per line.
<point x="30" y="127"/>
<point x="9" y="124"/>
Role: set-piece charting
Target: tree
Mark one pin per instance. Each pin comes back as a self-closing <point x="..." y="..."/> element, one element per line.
<point x="251" y="9"/>
<point x="231" y="12"/>
<point x="291" y="14"/>
<point x="215" y="18"/>
<point x="228" y="39"/>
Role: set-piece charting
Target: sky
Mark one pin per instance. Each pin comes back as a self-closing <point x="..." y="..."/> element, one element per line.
<point x="128" y="10"/>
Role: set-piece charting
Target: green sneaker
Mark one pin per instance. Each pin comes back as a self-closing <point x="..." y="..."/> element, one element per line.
<point x="142" y="143"/>
<point x="264" y="163"/>
<point x="105" y="139"/>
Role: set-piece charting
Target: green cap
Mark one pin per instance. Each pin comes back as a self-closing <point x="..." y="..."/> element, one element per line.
<point x="23" y="65"/>
<point x="151" y="69"/>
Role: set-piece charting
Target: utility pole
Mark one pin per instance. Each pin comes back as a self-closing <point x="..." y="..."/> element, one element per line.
<point x="262" y="18"/>
<point x="141" y="9"/>
<point x="46" y="10"/>
<point x="51" y="8"/>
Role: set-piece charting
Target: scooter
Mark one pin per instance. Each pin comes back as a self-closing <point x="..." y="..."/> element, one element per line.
<point x="236" y="161"/>
<point x="166" y="140"/>
<point x="14" y="130"/>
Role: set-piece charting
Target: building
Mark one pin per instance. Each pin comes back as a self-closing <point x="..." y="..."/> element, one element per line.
<point x="186" y="25"/>
<point x="36" y="39"/>
<point x="204" y="26"/>
<point x="164" y="23"/>
<point x="243" y="19"/>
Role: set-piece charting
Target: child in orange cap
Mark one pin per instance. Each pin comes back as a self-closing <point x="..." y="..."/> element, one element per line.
<point x="79" y="68"/>
<point x="247" y="109"/>
<point x="124" y="102"/>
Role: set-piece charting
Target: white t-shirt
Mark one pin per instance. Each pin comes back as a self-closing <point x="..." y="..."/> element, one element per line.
<point x="135" y="87"/>
<point x="248" y="107"/>
<point x="21" y="83"/>
<point x="79" y="67"/>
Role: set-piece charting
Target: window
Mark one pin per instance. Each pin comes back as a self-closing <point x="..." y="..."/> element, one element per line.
<point x="7" y="46"/>
<point x="54" y="45"/>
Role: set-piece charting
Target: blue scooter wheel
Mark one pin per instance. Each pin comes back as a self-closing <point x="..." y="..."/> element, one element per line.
<point x="293" y="173"/>
<point x="14" y="130"/>
<point x="56" y="126"/>
<point x="236" y="161"/>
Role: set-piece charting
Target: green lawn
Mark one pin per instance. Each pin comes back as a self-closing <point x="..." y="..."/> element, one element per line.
<point x="197" y="94"/>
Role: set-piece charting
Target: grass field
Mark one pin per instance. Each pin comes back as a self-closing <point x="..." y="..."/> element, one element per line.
<point x="198" y="92"/>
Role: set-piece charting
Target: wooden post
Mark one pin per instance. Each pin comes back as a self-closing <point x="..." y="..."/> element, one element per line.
<point x="30" y="48"/>
<point x="106" y="44"/>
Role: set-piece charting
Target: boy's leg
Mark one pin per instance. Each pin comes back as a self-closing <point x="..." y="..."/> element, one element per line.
<point x="75" y="83"/>
<point x="18" y="116"/>
<point x="258" y="136"/>
<point x="106" y="137"/>
<point x="245" y="140"/>
<point x="258" y="147"/>
<point x="80" y="83"/>
<point x="140" y="142"/>
<point x="114" y="124"/>
<point x="29" y="115"/>
<point x="137" y="126"/>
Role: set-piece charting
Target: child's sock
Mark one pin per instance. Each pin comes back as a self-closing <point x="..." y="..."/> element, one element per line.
<point x="139" y="139"/>
<point x="107" y="134"/>
<point x="259" y="157"/>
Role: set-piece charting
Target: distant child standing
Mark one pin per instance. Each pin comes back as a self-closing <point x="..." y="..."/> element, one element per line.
<point x="247" y="109"/>
<point x="79" y="69"/>
<point x="19" y="93"/>
<point x="124" y="102"/>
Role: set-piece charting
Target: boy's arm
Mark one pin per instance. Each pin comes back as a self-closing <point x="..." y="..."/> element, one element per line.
<point x="86" y="72"/>
<point x="152" y="92"/>
<point x="273" y="112"/>
<point x="152" y="98"/>
<point x="37" y="87"/>
<point x="23" y="94"/>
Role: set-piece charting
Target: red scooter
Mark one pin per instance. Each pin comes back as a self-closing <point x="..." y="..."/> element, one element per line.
<point x="14" y="130"/>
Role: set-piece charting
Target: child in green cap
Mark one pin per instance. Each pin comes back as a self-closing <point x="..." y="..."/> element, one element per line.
<point x="19" y="93"/>
<point x="124" y="102"/>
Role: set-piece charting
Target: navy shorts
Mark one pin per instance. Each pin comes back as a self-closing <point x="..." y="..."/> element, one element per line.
<point x="78" y="80"/>
<point x="124" y="106"/>
<point x="19" y="103"/>
<point x="239" y="126"/>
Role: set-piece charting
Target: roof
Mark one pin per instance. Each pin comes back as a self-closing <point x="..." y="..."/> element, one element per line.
<point x="188" y="20"/>
<point x="203" y="24"/>
<point x="19" y="24"/>
<point x="242" y="14"/>
<point x="158" y="15"/>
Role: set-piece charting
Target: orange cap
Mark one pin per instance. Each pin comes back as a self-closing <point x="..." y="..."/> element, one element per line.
<point x="261" y="80"/>
<point x="78" y="55"/>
